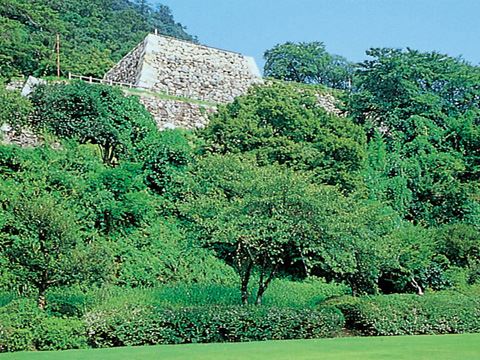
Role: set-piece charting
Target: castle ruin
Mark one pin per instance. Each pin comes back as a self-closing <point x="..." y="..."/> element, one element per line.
<point x="181" y="82"/>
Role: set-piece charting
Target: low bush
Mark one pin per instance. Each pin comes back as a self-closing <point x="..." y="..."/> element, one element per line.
<point x="135" y="326"/>
<point x="187" y="295"/>
<point x="412" y="314"/>
<point x="6" y="298"/>
<point x="17" y="320"/>
<point x="305" y="294"/>
<point x="68" y="302"/>
<point x="55" y="333"/>
<point x="24" y="327"/>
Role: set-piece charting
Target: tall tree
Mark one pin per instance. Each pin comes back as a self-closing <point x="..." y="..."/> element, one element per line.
<point x="426" y="106"/>
<point x="285" y="124"/>
<point x="308" y="63"/>
<point x="43" y="244"/>
<point x="94" y="34"/>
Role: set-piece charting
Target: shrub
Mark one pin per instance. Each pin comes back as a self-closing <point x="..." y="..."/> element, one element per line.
<point x="24" y="327"/>
<point x="196" y="295"/>
<point x="68" y="302"/>
<point x="166" y="156"/>
<point x="6" y="298"/>
<point x="60" y="334"/>
<point x="161" y="254"/>
<point x="17" y="320"/>
<point x="411" y="314"/>
<point x="134" y="326"/>
<point x="14" y="109"/>
<point x="308" y="293"/>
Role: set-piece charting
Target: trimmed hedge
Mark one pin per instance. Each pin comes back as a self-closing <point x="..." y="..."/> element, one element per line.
<point x="23" y="327"/>
<point x="151" y="326"/>
<point x="412" y="315"/>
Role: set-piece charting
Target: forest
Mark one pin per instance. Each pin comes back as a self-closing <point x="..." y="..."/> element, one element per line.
<point x="279" y="220"/>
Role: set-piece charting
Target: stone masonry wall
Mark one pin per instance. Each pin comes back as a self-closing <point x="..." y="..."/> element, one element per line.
<point x="198" y="72"/>
<point x="171" y="114"/>
<point x="185" y="70"/>
<point x="128" y="69"/>
<point x="181" y="68"/>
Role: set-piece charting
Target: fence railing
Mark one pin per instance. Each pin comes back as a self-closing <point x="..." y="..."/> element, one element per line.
<point x="92" y="80"/>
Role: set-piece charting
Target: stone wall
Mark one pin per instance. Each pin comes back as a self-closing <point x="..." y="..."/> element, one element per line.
<point x="181" y="68"/>
<point x="193" y="75"/>
<point x="171" y="114"/>
<point x="129" y="68"/>
<point x="23" y="138"/>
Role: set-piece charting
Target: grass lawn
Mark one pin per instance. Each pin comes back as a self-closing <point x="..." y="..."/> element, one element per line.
<point x="441" y="347"/>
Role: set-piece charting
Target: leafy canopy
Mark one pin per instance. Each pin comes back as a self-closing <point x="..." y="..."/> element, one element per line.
<point x="308" y="63"/>
<point x="285" y="124"/>
<point x="96" y="114"/>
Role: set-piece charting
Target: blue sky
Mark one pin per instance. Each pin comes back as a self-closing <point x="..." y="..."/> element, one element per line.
<point x="347" y="27"/>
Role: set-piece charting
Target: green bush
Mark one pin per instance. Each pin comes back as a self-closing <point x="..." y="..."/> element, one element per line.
<point x="134" y="326"/>
<point x="70" y="302"/>
<point x="14" y="109"/>
<point x="60" y="334"/>
<point x="17" y="320"/>
<point x="6" y="298"/>
<point x="308" y="293"/>
<point x="196" y="295"/>
<point x="24" y="327"/>
<point x="411" y="314"/>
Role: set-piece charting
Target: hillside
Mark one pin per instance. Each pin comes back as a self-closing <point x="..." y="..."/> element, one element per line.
<point x="331" y="199"/>
<point x="94" y="34"/>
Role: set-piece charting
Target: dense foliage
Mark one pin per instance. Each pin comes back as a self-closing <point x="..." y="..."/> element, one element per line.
<point x="414" y="315"/>
<point x="94" y="34"/>
<point x="308" y="63"/>
<point x="422" y="119"/>
<point x="284" y="124"/>
<point x="94" y="114"/>
<point x="113" y="233"/>
<point x="142" y="326"/>
<point x="13" y="106"/>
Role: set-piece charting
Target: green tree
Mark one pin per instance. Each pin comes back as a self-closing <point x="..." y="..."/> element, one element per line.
<point x="268" y="221"/>
<point x="165" y="156"/>
<point x="308" y="63"/>
<point x="44" y="244"/>
<point x="246" y="214"/>
<point x="94" y="34"/>
<point x="96" y="114"/>
<point x="460" y="244"/>
<point x="283" y="123"/>
<point x="425" y="105"/>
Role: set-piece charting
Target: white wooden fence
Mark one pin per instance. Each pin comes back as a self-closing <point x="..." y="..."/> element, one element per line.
<point x="93" y="80"/>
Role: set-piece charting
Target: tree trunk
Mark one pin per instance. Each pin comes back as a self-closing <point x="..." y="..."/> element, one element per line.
<point x="245" y="280"/>
<point x="261" y="291"/>
<point x="262" y="286"/>
<point x="244" y="290"/>
<point x="416" y="286"/>
<point x="41" y="300"/>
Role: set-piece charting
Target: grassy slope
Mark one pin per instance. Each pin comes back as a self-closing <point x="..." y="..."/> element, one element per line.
<point x="444" y="347"/>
